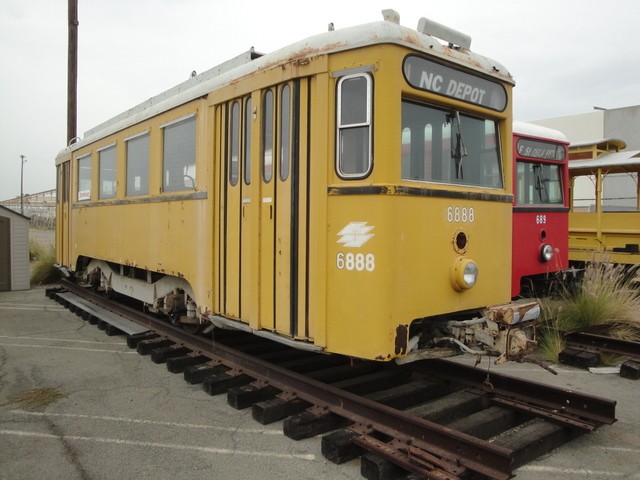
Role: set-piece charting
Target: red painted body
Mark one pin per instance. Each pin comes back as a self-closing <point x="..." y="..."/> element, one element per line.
<point x="541" y="204"/>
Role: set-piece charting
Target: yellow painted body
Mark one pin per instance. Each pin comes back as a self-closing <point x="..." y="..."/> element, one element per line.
<point x="599" y="232"/>
<point x="602" y="235"/>
<point x="160" y="233"/>
<point x="412" y="268"/>
<point x="594" y="236"/>
<point x="268" y="254"/>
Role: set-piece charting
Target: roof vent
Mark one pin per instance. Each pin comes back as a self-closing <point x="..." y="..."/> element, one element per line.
<point x="449" y="35"/>
<point x="392" y="16"/>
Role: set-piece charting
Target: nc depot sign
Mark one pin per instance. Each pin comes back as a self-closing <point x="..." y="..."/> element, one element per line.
<point x="443" y="80"/>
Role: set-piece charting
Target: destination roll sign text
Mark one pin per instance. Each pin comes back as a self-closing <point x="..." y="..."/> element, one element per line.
<point x="442" y="80"/>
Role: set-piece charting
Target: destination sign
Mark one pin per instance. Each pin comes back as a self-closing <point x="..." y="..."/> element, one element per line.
<point x="437" y="78"/>
<point x="539" y="149"/>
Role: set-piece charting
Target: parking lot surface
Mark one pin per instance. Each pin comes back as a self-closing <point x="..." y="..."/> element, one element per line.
<point x="78" y="404"/>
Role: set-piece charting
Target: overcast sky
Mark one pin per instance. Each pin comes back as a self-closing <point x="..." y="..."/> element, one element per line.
<point x="566" y="56"/>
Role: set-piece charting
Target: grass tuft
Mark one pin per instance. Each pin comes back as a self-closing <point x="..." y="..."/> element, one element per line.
<point x="43" y="271"/>
<point x="606" y="295"/>
<point x="550" y="343"/>
<point x="36" y="250"/>
<point x="37" y="397"/>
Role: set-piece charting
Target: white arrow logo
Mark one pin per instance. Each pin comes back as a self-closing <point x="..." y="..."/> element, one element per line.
<point x="355" y="234"/>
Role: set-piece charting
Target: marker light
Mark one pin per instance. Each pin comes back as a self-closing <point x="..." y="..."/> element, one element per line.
<point x="464" y="273"/>
<point x="546" y="252"/>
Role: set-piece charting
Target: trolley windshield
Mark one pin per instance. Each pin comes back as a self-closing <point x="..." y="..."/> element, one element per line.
<point x="447" y="146"/>
<point x="538" y="184"/>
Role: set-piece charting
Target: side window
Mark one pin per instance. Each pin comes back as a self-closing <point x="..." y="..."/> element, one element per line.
<point x="354" y="122"/>
<point x="234" y="143"/>
<point x="62" y="185"/>
<point x="84" y="178"/>
<point x="107" y="169"/>
<point x="267" y="137"/>
<point x="584" y="193"/>
<point x="620" y="192"/>
<point x="66" y="176"/>
<point x="138" y="165"/>
<point x="179" y="155"/>
<point x="59" y="184"/>
<point x="247" y="141"/>
<point x="285" y="132"/>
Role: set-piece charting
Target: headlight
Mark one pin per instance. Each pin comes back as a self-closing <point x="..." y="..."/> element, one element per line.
<point x="464" y="274"/>
<point x="546" y="252"/>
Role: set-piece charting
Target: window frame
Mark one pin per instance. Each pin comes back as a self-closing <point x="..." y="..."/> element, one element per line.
<point x="488" y="157"/>
<point x="267" y="131"/>
<point x="284" y="131"/>
<point x="86" y="157"/>
<point x="104" y="150"/>
<point x="235" y="142"/>
<point x="368" y="123"/>
<point x="137" y="137"/>
<point x="182" y="120"/>
<point x="246" y="143"/>
<point x="523" y="172"/>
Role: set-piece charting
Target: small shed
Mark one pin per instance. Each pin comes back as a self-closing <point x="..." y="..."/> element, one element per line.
<point x="14" y="250"/>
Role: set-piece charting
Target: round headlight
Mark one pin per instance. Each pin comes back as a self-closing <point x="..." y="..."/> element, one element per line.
<point x="470" y="274"/>
<point x="464" y="273"/>
<point x="546" y="252"/>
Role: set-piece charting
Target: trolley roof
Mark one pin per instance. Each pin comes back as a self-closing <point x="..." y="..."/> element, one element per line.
<point x="533" y="130"/>
<point x="601" y="143"/>
<point x="383" y="32"/>
<point x="618" y="161"/>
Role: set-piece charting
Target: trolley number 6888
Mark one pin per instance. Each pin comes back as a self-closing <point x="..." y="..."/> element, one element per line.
<point x="359" y="262"/>
<point x="461" y="214"/>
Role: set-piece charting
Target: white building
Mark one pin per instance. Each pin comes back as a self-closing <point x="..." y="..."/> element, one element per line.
<point x="14" y="250"/>
<point x="614" y="133"/>
<point x="598" y="125"/>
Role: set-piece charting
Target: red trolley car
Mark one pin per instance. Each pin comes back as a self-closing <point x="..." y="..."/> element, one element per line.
<point x="540" y="206"/>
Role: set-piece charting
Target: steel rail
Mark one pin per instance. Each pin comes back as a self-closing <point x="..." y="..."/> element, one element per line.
<point x="563" y="406"/>
<point x="560" y="404"/>
<point x="459" y="448"/>
<point x="594" y="342"/>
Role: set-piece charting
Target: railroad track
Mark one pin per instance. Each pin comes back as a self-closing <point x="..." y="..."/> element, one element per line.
<point x="584" y="349"/>
<point x="435" y="419"/>
<point x="599" y="340"/>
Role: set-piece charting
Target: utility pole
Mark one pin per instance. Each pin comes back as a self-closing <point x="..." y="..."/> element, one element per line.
<point x="22" y="160"/>
<point x="72" y="72"/>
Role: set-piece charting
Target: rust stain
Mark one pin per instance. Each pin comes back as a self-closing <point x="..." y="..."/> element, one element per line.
<point x="402" y="336"/>
<point x="300" y="57"/>
<point x="509" y="313"/>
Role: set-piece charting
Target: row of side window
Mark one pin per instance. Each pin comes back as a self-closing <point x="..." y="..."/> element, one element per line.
<point x="354" y="131"/>
<point x="276" y="127"/>
<point x="179" y="145"/>
<point x="178" y="155"/>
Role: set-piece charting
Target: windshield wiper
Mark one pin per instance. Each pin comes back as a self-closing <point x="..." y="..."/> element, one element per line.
<point x="458" y="151"/>
<point x="540" y="182"/>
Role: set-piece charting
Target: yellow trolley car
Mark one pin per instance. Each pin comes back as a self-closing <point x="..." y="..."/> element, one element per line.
<point x="350" y="193"/>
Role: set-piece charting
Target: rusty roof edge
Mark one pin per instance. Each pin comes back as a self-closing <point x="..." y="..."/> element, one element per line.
<point x="348" y="38"/>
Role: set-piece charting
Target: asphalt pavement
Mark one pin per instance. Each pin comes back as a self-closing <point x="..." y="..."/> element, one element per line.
<point x="78" y="404"/>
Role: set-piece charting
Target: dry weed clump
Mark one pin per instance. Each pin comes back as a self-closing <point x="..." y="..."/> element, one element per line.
<point x="608" y="294"/>
<point x="42" y="268"/>
<point x="37" y="397"/>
